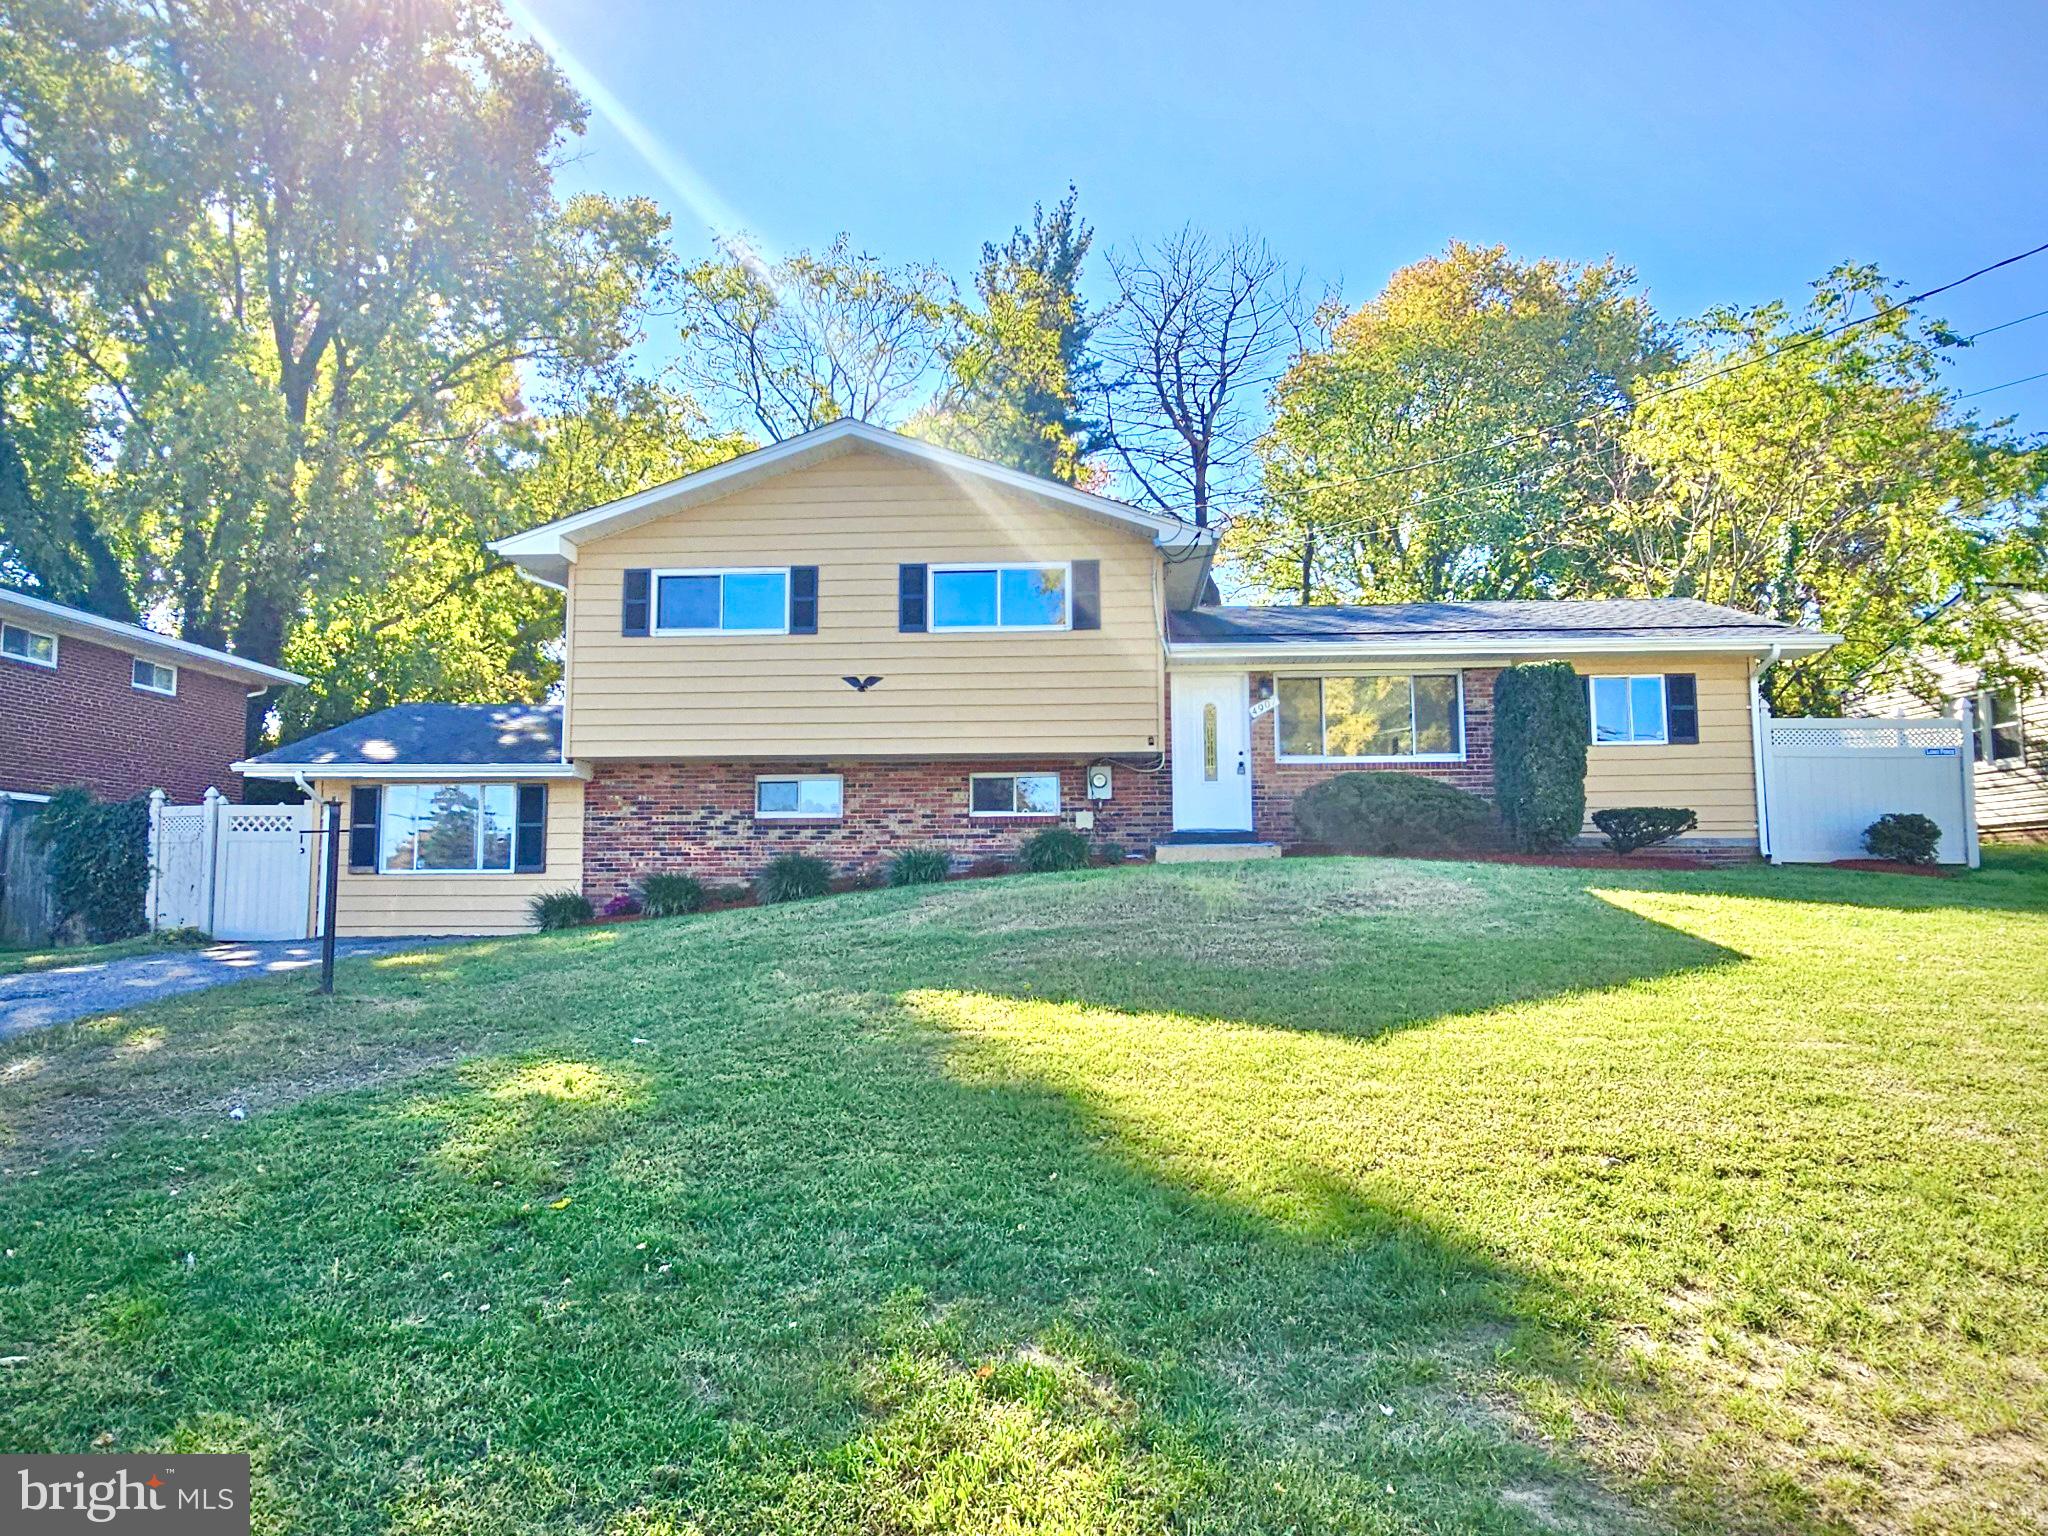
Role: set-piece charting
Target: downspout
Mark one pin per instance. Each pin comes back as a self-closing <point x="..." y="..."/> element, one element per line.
<point x="315" y="901"/>
<point x="1757" y="738"/>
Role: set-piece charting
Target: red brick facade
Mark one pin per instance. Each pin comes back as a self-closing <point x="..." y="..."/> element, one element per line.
<point x="87" y="723"/>
<point x="698" y="818"/>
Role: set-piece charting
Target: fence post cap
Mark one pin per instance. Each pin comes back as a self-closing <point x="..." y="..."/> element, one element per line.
<point x="213" y="794"/>
<point x="157" y="797"/>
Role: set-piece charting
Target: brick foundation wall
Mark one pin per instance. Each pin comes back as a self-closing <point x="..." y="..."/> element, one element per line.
<point x="1275" y="784"/>
<point x="87" y="723"/>
<point x="698" y="818"/>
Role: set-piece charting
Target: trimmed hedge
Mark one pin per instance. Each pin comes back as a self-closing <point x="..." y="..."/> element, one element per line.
<point x="1391" y="813"/>
<point x="1629" y="827"/>
<point x="98" y="861"/>
<point x="1540" y="732"/>
<point x="1903" y="836"/>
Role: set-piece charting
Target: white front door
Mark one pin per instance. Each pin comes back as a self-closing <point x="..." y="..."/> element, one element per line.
<point x="1212" y="770"/>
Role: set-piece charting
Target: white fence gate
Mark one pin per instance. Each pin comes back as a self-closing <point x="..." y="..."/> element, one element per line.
<point x="235" y="871"/>
<point x="1825" y="781"/>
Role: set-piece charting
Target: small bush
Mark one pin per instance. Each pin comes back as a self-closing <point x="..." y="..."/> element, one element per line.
<point x="625" y="904"/>
<point x="991" y="864"/>
<point x="1391" y="813"/>
<point x="1540" y="730"/>
<point x="560" y="909"/>
<point x="99" y="862"/>
<point x="728" y="895"/>
<point x="1904" y="837"/>
<point x="793" y="877"/>
<point x="1629" y="827"/>
<point x="920" y="866"/>
<point x="670" y="895"/>
<point x="1055" y="848"/>
<point x="1110" y="853"/>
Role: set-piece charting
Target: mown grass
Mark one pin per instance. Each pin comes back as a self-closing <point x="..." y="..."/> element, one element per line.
<point x="1326" y="1195"/>
<point x="16" y="961"/>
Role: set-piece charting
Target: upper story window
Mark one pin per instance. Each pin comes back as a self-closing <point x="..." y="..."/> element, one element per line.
<point x="447" y="828"/>
<point x="2001" y="738"/>
<point x="1001" y="596"/>
<point x="1627" y="710"/>
<point x="155" y="677"/>
<point x="1372" y="718"/>
<point x="749" y="601"/>
<point x="31" y="646"/>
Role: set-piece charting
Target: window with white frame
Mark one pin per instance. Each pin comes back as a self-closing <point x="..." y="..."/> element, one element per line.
<point x="1000" y="597"/>
<point x="1372" y="718"/>
<point x="818" y="794"/>
<point x="448" y="829"/>
<point x="154" y="676"/>
<point x="1014" y="794"/>
<point x="2001" y="738"/>
<point x="711" y="602"/>
<point x="1627" y="710"/>
<point x="31" y="646"/>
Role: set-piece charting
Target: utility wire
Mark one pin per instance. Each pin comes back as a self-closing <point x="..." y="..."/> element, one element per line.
<point x="2008" y="384"/>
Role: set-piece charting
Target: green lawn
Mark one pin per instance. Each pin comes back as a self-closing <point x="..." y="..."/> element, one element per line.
<point x="15" y="961"/>
<point x="1317" y="1195"/>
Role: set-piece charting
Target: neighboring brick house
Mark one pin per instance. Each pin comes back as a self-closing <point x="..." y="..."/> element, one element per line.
<point x="851" y="643"/>
<point x="116" y="708"/>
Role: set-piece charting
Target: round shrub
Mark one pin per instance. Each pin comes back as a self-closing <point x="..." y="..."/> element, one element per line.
<point x="1391" y="813"/>
<point x="919" y="866"/>
<point x="625" y="904"/>
<point x="1110" y="852"/>
<point x="1629" y="827"/>
<point x="560" y="909"/>
<point x="1540" y="731"/>
<point x="792" y="877"/>
<point x="1903" y="837"/>
<point x="1053" y="849"/>
<point x="670" y="895"/>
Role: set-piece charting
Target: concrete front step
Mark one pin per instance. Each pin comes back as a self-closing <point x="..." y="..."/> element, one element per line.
<point x="1212" y="853"/>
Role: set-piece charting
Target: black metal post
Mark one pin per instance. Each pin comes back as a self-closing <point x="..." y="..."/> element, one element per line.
<point x="333" y="890"/>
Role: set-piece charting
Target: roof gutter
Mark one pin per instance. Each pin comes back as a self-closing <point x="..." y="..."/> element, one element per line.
<point x="395" y="773"/>
<point x="1196" y="653"/>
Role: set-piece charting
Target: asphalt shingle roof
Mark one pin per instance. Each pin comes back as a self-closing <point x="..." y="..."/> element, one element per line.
<point x="1651" y="618"/>
<point x="407" y="735"/>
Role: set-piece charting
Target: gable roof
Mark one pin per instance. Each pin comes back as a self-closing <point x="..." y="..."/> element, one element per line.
<point x="428" y="741"/>
<point x="546" y="553"/>
<point x="1653" y="624"/>
<point x="40" y="613"/>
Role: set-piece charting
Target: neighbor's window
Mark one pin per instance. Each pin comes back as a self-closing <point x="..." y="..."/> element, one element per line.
<point x="448" y="828"/>
<point x="715" y="602"/>
<point x="999" y="597"/>
<point x="2000" y="737"/>
<point x="155" y="677"/>
<point x="1627" y="709"/>
<point x="815" y="795"/>
<point x="1371" y="717"/>
<point x="28" y="645"/>
<point x="1014" y="794"/>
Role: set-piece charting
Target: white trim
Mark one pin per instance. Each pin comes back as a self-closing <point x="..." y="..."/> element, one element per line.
<point x="1663" y="736"/>
<point x="545" y="553"/>
<point x="130" y="636"/>
<point x="799" y="778"/>
<point x="1326" y="760"/>
<point x="374" y="773"/>
<point x="654" y="579"/>
<point x="161" y="666"/>
<point x="1984" y="728"/>
<point x="34" y="635"/>
<point x="931" y="595"/>
<point x="511" y="865"/>
<point x="22" y="794"/>
<point x="1424" y="647"/>
<point x="1059" y="800"/>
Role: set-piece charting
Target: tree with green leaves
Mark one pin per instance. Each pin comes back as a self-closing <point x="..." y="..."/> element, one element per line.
<point x="1435" y="447"/>
<point x="1018" y="364"/>
<point x="266" y="272"/>
<point x="1811" y="466"/>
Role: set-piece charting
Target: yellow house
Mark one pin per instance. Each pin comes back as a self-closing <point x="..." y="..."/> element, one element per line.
<point x="851" y="643"/>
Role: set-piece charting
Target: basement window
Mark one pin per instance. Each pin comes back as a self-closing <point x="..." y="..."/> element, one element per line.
<point x="1014" y="794"/>
<point x="820" y="795"/>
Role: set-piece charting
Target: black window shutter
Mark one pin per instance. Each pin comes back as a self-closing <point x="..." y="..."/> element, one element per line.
<point x="910" y="616"/>
<point x="803" y="599"/>
<point x="1586" y="698"/>
<point x="633" y="613"/>
<point x="365" y="802"/>
<point x="530" y="847"/>
<point x="1681" y="708"/>
<point x="1087" y="594"/>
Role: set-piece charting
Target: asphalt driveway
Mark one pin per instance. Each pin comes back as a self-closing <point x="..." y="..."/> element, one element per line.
<point x="57" y="996"/>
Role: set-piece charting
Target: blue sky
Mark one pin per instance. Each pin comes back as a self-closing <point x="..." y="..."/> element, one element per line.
<point x="1731" y="153"/>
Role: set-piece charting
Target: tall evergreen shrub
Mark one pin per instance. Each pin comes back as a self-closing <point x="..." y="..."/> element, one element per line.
<point x="1540" y="731"/>
<point x="99" y="861"/>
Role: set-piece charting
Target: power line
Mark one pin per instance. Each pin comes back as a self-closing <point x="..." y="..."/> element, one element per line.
<point x="2007" y="325"/>
<point x="2008" y="384"/>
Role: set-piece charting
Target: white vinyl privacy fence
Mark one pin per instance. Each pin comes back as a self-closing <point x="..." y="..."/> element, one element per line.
<point x="234" y="871"/>
<point x="1825" y="781"/>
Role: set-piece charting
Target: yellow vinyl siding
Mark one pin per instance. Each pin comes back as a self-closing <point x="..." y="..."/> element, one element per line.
<point x="403" y="905"/>
<point x="856" y="517"/>
<point x="1715" y="779"/>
